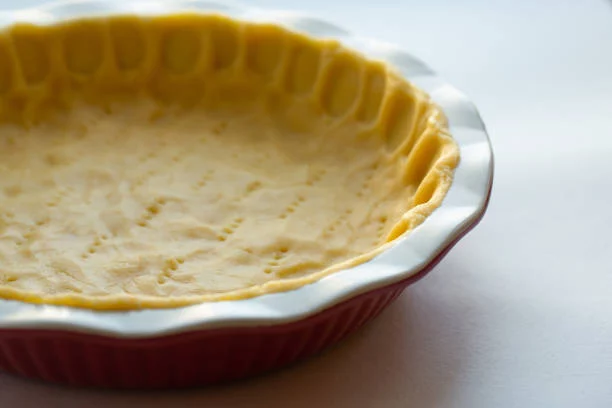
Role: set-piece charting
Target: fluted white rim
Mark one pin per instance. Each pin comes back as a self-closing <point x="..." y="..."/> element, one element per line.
<point x="463" y="205"/>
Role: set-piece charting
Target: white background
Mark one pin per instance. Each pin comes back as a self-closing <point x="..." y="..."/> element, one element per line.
<point x="520" y="313"/>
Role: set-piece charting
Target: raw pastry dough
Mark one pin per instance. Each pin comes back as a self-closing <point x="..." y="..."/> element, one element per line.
<point x="159" y="162"/>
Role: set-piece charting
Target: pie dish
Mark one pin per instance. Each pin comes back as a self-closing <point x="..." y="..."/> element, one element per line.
<point x="285" y="179"/>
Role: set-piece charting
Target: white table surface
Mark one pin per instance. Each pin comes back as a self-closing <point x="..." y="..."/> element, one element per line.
<point x="520" y="313"/>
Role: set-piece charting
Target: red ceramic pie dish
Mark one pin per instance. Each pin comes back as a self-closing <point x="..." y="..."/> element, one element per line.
<point x="221" y="341"/>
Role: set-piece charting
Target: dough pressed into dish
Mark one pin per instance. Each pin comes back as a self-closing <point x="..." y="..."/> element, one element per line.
<point x="163" y="161"/>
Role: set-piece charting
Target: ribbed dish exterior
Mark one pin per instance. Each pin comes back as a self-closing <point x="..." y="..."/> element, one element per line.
<point x="183" y="360"/>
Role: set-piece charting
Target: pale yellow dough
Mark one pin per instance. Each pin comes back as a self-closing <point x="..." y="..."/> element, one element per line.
<point x="160" y="162"/>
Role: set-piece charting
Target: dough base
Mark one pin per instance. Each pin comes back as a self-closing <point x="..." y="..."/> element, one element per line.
<point x="162" y="162"/>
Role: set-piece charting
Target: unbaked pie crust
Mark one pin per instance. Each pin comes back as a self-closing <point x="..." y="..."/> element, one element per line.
<point x="151" y="162"/>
